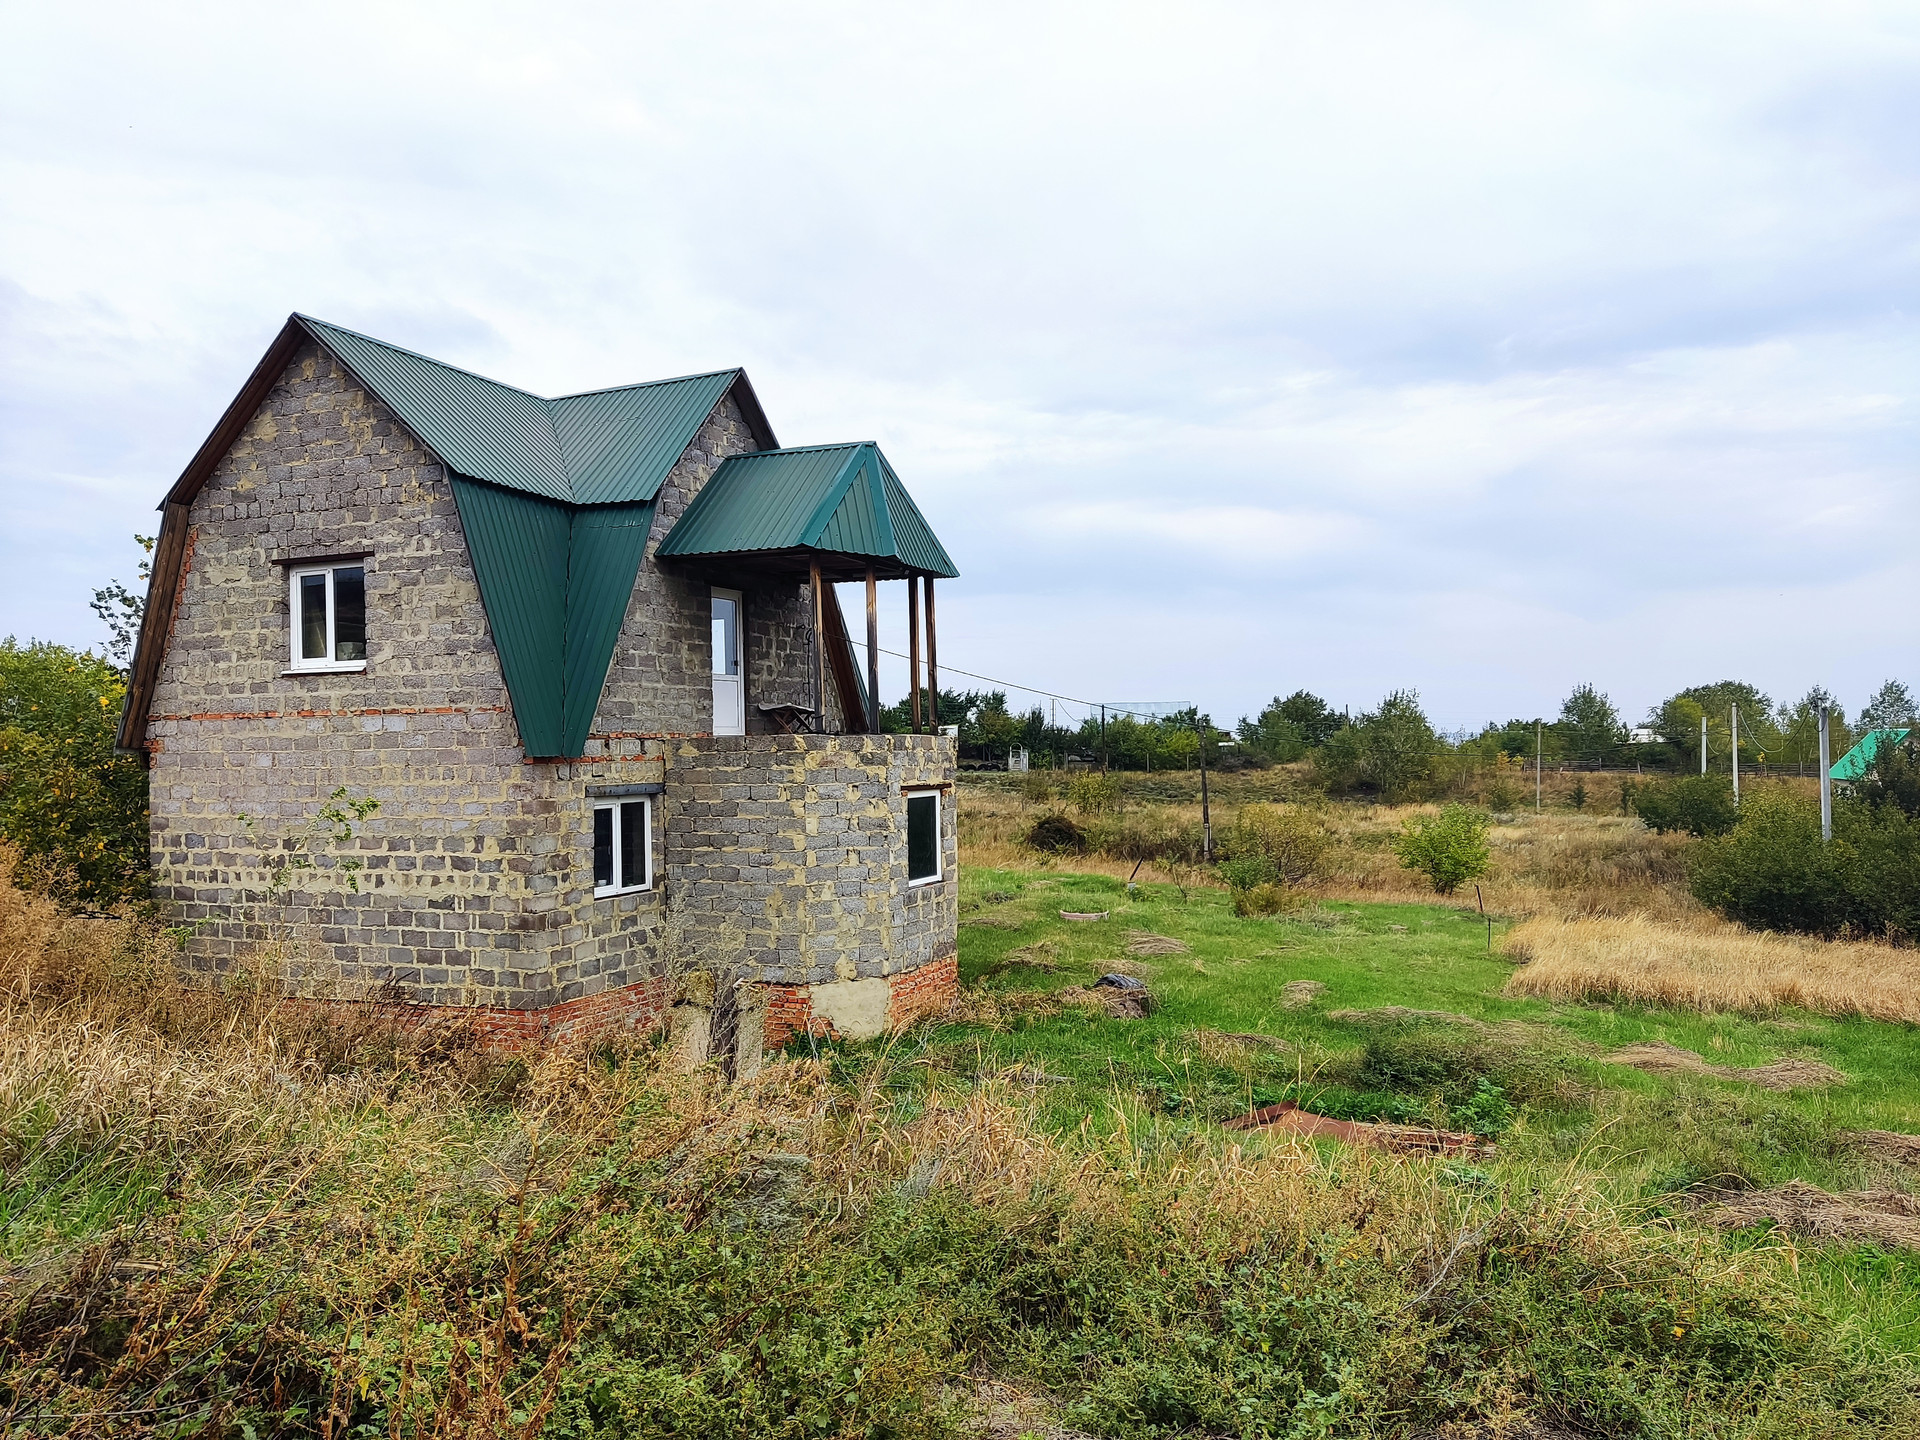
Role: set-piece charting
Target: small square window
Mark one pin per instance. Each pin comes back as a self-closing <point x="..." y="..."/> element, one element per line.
<point x="328" y="606"/>
<point x="622" y="847"/>
<point x="923" y="837"/>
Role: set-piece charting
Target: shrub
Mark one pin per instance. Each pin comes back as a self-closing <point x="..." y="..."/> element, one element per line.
<point x="1035" y="788"/>
<point x="1093" y="794"/>
<point x="1448" y="848"/>
<point x="1698" y="804"/>
<point x="1293" y="840"/>
<point x="1056" y="834"/>
<point x="1266" y="899"/>
<point x="1244" y="872"/>
<point x="1772" y="872"/>
<point x="77" y="811"/>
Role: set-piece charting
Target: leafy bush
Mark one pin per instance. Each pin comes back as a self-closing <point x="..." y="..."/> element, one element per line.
<point x="1035" y="789"/>
<point x="1449" y="848"/>
<point x="1092" y="793"/>
<point x="1056" y="834"/>
<point x="77" y="811"/>
<point x="1266" y="899"/>
<point x="1293" y="840"/>
<point x="1697" y="804"/>
<point x="1773" y="872"/>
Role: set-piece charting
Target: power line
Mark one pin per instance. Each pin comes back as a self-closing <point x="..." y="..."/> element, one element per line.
<point x="1029" y="689"/>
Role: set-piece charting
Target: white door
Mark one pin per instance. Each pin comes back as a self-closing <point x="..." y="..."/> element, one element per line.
<point x="729" y="689"/>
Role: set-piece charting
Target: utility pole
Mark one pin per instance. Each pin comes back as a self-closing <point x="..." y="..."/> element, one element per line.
<point x="1103" y="739"/>
<point x="1826" y="779"/>
<point x="1206" y="810"/>
<point x="1539" y="751"/>
<point x="1733" y="723"/>
<point x="1703" y="744"/>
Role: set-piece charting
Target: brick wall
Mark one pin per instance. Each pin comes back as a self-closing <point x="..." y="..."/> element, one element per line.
<point x="790" y="853"/>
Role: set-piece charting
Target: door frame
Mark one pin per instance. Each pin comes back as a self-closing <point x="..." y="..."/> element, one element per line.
<point x="739" y="658"/>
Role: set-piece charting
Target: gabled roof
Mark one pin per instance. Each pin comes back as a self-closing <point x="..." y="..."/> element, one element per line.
<point x="1857" y="761"/>
<point x="605" y="447"/>
<point x="840" y="499"/>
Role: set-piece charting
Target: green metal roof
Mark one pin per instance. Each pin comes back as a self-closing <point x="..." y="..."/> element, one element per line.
<point x="1857" y="761"/>
<point x="556" y="498"/>
<point x="605" y="447"/>
<point x="843" y="499"/>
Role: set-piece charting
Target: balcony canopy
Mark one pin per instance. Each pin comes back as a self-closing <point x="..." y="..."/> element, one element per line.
<point x="781" y="510"/>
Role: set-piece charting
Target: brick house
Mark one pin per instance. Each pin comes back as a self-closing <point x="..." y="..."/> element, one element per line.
<point x="587" y="655"/>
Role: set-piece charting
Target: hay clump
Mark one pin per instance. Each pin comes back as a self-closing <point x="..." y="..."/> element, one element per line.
<point x="1710" y="965"/>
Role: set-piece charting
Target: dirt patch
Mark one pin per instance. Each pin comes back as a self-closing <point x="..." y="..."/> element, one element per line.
<point x="1886" y="1216"/>
<point x="1658" y="1057"/>
<point x="1298" y="994"/>
<point x="1005" y="1412"/>
<point x="1142" y="942"/>
<point x="1889" y="1145"/>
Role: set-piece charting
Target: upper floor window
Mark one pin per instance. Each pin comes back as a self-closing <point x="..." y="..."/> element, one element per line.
<point x="923" y="837"/>
<point x="622" y="846"/>
<point x="328" y="604"/>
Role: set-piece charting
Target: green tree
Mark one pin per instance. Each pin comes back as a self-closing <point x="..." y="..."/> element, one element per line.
<point x="1449" y="848"/>
<point x="1389" y="751"/>
<point x="1891" y="706"/>
<point x="121" y="609"/>
<point x="1798" y="726"/>
<point x="1590" y="727"/>
<point x="76" y="810"/>
<point x="1677" y="722"/>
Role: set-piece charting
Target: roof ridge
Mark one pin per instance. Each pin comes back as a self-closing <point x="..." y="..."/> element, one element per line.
<point x="803" y="449"/>
<point x="418" y="355"/>
<point x="645" y="384"/>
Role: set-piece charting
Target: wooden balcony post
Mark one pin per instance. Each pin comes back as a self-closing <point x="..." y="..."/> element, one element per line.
<point x="933" y="665"/>
<point x="913" y="647"/>
<point x="873" y="654"/>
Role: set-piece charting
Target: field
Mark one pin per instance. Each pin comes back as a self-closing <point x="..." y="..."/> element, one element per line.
<point x="222" y="1217"/>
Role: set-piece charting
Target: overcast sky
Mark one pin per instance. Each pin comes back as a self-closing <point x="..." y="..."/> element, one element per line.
<point x="1229" y="348"/>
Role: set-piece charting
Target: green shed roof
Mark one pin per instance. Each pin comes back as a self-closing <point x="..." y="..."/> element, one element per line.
<point x="1857" y="761"/>
<point x="840" y="499"/>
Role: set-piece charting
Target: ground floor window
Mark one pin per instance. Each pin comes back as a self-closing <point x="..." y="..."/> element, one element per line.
<point x="923" y="836"/>
<point x="622" y="846"/>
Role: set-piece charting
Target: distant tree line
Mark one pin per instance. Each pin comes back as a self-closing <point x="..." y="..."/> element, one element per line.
<point x="1393" y="749"/>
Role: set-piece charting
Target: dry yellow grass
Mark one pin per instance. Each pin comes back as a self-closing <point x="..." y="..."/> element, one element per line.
<point x="1559" y="862"/>
<point x="1708" y="965"/>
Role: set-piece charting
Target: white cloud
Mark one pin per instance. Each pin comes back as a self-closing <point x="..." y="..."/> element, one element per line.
<point x="1230" y="347"/>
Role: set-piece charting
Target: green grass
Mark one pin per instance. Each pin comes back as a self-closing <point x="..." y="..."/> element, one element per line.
<point x="1645" y="1138"/>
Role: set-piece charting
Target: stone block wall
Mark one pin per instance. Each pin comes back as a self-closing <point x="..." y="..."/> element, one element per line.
<point x="790" y="852"/>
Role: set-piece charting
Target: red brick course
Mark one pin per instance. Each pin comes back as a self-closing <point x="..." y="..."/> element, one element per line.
<point x="926" y="991"/>
<point x="638" y="1008"/>
<point x="910" y="997"/>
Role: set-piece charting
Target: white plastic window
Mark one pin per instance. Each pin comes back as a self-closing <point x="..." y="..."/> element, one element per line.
<point x="328" y="609"/>
<point x="923" y="837"/>
<point x="622" y="847"/>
